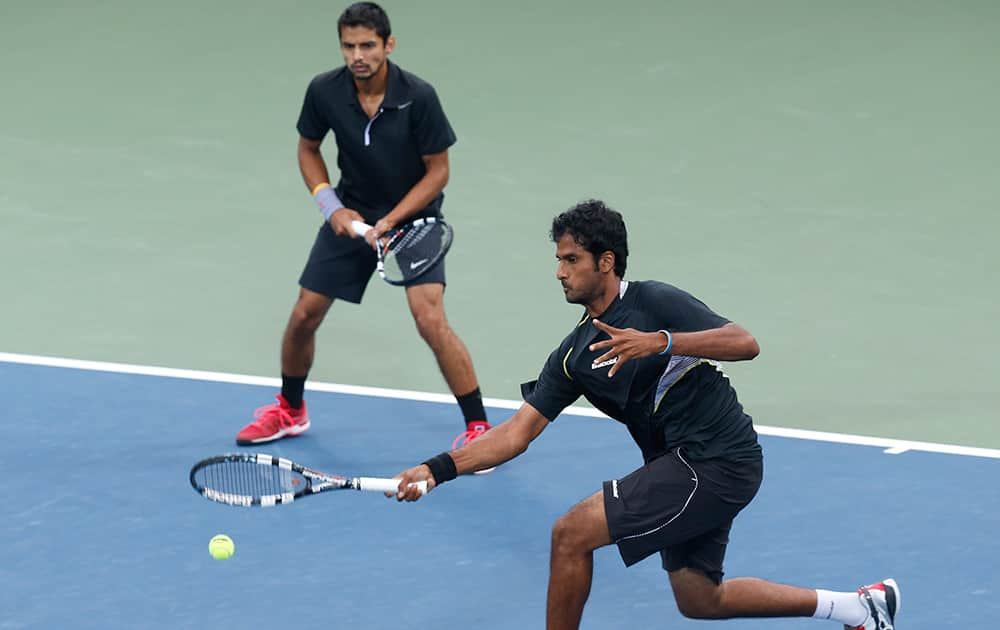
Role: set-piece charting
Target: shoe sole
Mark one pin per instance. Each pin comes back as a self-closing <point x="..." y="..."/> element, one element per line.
<point x="485" y="471"/>
<point x="298" y="429"/>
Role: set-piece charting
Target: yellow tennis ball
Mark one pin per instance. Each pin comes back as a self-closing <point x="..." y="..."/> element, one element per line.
<point x="221" y="547"/>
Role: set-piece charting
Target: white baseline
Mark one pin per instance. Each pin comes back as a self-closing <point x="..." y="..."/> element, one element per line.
<point x="890" y="445"/>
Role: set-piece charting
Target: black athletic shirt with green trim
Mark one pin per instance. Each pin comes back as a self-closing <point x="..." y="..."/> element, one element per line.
<point x="665" y="401"/>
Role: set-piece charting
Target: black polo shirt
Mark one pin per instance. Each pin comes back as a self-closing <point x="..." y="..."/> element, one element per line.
<point x="379" y="158"/>
<point x="665" y="401"/>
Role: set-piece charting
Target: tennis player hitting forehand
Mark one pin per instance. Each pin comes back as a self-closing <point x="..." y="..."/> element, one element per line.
<point x="643" y="353"/>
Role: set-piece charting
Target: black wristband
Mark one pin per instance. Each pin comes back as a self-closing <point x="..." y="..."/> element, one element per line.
<point x="442" y="467"/>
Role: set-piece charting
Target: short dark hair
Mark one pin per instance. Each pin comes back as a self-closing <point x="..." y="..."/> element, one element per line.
<point x="366" y="14"/>
<point x="597" y="228"/>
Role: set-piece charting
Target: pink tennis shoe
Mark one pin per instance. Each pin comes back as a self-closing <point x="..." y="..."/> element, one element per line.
<point x="273" y="422"/>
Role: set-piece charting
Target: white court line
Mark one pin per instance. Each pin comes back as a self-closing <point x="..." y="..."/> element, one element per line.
<point x="891" y="446"/>
<point x="896" y="450"/>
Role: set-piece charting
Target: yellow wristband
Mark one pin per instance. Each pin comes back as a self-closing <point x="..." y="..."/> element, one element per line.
<point x="320" y="187"/>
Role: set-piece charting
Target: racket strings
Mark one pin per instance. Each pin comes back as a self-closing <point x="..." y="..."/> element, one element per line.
<point x="248" y="479"/>
<point x="413" y="236"/>
<point x="417" y="249"/>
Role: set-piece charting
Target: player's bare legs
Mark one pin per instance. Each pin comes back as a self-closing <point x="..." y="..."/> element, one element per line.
<point x="298" y="345"/>
<point x="584" y="528"/>
<point x="571" y="566"/>
<point x="427" y="307"/>
<point x="698" y="597"/>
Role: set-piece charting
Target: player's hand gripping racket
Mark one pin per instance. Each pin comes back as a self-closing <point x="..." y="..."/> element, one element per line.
<point x="255" y="479"/>
<point x="410" y="250"/>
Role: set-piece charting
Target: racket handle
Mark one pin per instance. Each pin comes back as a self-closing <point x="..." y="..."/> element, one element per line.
<point x="375" y="484"/>
<point x="360" y="227"/>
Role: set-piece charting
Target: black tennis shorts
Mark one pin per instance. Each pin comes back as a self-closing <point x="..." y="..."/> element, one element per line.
<point x="340" y="267"/>
<point x="680" y="508"/>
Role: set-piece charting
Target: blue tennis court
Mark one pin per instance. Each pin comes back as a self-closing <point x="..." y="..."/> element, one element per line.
<point x="102" y="530"/>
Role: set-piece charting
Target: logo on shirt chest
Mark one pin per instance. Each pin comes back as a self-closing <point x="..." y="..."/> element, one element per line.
<point x="597" y="366"/>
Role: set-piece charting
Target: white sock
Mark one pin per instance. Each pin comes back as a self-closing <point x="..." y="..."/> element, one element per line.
<point x="843" y="607"/>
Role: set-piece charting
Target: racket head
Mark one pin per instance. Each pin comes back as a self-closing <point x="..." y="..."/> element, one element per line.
<point x="256" y="480"/>
<point x="413" y="250"/>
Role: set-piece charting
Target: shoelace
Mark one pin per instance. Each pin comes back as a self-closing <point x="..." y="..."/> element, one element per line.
<point x="468" y="436"/>
<point x="267" y="413"/>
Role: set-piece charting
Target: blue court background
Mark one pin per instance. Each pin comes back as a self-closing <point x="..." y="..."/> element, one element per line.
<point x="102" y="530"/>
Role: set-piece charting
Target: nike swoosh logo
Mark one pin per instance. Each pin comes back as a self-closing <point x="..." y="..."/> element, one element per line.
<point x="414" y="265"/>
<point x="405" y="105"/>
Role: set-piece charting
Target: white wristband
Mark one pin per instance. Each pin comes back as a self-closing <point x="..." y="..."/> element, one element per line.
<point x="670" y="342"/>
<point x="328" y="202"/>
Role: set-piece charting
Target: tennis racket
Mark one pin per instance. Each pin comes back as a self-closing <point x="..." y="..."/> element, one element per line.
<point x="410" y="250"/>
<point x="255" y="479"/>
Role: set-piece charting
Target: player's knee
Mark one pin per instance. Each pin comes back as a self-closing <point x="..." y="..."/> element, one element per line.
<point x="699" y="605"/>
<point x="695" y="610"/>
<point x="566" y="536"/>
<point x="431" y="325"/>
<point x="304" y="320"/>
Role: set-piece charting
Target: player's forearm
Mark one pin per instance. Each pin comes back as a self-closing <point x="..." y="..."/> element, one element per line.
<point x="728" y="343"/>
<point x="500" y="444"/>
<point x="420" y="196"/>
<point x="313" y="167"/>
<point x="493" y="448"/>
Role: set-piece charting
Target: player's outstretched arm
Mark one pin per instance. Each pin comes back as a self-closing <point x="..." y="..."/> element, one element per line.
<point x="500" y="444"/>
<point x="730" y="342"/>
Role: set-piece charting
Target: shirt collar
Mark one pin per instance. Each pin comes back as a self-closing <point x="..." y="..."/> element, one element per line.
<point x="397" y="93"/>
<point x="612" y="308"/>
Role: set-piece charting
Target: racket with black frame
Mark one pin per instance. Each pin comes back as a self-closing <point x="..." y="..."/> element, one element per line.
<point x="259" y="480"/>
<point x="411" y="250"/>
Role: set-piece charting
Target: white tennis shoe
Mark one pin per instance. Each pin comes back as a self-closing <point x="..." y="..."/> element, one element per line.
<point x="882" y="601"/>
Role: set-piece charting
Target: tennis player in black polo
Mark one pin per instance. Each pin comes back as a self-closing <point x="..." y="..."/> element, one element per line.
<point x="643" y="353"/>
<point x="392" y="152"/>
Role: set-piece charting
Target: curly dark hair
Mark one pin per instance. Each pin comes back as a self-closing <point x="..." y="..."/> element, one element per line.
<point x="596" y="228"/>
<point x="367" y="14"/>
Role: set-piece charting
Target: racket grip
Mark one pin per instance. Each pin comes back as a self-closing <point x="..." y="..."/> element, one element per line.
<point x="375" y="484"/>
<point x="360" y="227"/>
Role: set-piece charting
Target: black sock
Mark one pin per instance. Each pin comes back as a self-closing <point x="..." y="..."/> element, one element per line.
<point x="292" y="389"/>
<point x="472" y="406"/>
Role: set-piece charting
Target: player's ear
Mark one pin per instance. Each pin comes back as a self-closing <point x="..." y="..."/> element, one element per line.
<point x="390" y="44"/>
<point x="606" y="262"/>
